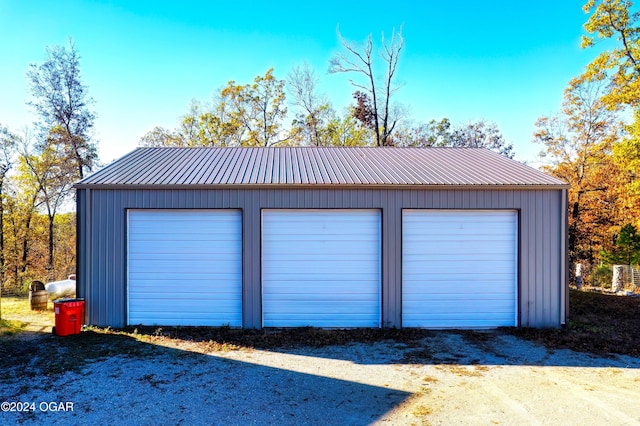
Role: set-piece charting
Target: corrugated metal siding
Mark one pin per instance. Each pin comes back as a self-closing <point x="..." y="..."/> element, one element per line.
<point x="317" y="166"/>
<point x="101" y="254"/>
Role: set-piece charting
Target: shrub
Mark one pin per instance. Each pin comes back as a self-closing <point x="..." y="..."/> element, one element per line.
<point x="602" y="276"/>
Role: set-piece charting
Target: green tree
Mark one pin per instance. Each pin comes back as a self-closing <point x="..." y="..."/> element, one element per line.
<point x="626" y="155"/>
<point x="259" y="108"/>
<point x="627" y="247"/>
<point x="347" y="131"/>
<point x="53" y="177"/>
<point x="21" y="203"/>
<point x="61" y="100"/>
<point x="217" y="126"/>
<point x="160" y="136"/>
<point x="620" y="66"/>
<point x="7" y="154"/>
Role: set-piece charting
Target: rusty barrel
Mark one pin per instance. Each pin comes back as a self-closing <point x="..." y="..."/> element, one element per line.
<point x="37" y="296"/>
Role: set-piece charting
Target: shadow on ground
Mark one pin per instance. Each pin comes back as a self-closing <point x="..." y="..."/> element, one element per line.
<point x="503" y="346"/>
<point x="136" y="382"/>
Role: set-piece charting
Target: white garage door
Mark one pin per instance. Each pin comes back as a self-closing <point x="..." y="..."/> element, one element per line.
<point x="184" y="267"/>
<point x="321" y="268"/>
<point x="459" y="268"/>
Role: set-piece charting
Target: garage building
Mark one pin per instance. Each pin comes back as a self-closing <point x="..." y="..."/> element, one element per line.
<point x="324" y="237"/>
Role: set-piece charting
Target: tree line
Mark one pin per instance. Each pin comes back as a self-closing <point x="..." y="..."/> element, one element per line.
<point x="257" y="113"/>
<point x="38" y="167"/>
<point x="591" y="143"/>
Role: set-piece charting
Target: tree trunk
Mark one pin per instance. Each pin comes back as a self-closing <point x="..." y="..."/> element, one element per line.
<point x="2" y="258"/>
<point x="25" y="244"/>
<point x="50" y="266"/>
<point x="579" y="276"/>
<point x="14" y="250"/>
<point x="618" y="278"/>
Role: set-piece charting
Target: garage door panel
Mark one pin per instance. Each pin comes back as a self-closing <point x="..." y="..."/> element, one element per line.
<point x="185" y="227"/>
<point x="461" y="279"/>
<point x="183" y="280"/>
<point x="497" y="251"/>
<point x="312" y="240"/>
<point x="203" y="319"/>
<point x="459" y="268"/>
<point x="444" y="216"/>
<point x="184" y="267"/>
<point x="160" y="270"/>
<point x="321" y="268"/>
<point x="316" y="271"/>
<point x="434" y="291"/>
<point x="200" y="239"/>
<point x="161" y="244"/>
<point x="442" y="314"/>
<point x="196" y="305"/>
<point x="451" y="321"/>
<point x="186" y="259"/>
<point x="325" y="252"/>
<point x="288" y="293"/>
<point x="319" y="284"/>
<point x="460" y="276"/>
<point x="495" y="305"/>
<point x="327" y="321"/>
<point x="469" y="242"/>
<point x="224" y="290"/>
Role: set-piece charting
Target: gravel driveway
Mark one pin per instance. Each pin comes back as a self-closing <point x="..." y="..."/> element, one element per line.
<point x="447" y="378"/>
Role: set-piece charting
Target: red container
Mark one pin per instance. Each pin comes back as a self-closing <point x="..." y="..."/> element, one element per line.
<point x="69" y="316"/>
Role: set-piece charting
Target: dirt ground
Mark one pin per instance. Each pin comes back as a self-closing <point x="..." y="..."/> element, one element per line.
<point x="342" y="378"/>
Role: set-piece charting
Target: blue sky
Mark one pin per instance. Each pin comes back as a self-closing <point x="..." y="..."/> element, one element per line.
<point x="503" y="61"/>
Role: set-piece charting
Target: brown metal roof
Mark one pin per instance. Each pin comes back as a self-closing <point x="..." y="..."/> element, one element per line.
<point x="316" y="166"/>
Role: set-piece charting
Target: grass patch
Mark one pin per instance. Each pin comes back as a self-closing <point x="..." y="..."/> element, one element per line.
<point x="599" y="323"/>
<point x="19" y="309"/>
<point x="11" y="327"/>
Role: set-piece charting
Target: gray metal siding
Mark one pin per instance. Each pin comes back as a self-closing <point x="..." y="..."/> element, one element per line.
<point x="102" y="245"/>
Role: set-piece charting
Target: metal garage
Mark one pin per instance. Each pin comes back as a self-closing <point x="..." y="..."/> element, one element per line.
<point x="184" y="267"/>
<point x="459" y="268"/>
<point x="322" y="236"/>
<point x="321" y="268"/>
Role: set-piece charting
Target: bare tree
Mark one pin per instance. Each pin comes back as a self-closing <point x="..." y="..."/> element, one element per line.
<point x="481" y="134"/>
<point x="361" y="61"/>
<point x="302" y="82"/>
